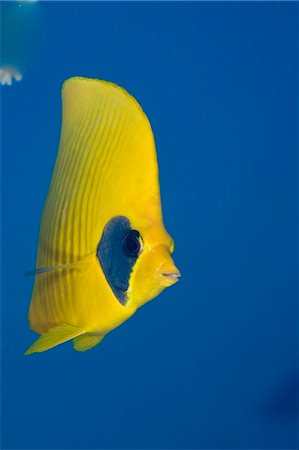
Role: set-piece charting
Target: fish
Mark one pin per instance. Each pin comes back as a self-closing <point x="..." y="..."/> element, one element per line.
<point x="103" y="250"/>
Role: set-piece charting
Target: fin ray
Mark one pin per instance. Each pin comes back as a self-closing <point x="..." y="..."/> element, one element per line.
<point x="54" y="336"/>
<point x="87" y="341"/>
<point x="41" y="270"/>
<point x="76" y="265"/>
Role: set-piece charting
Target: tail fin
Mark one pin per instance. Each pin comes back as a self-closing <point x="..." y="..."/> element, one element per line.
<point x="54" y="336"/>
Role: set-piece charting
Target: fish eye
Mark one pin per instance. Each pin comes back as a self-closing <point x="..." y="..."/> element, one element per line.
<point x="131" y="243"/>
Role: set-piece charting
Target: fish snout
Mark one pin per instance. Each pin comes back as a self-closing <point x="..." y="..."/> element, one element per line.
<point x="169" y="273"/>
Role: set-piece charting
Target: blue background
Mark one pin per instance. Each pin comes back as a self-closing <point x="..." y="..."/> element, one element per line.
<point x="211" y="363"/>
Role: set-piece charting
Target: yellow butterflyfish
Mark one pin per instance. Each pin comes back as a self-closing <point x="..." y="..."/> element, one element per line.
<point x="103" y="250"/>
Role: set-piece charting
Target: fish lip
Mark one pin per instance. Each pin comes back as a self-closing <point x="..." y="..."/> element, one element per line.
<point x="171" y="275"/>
<point x="170" y="278"/>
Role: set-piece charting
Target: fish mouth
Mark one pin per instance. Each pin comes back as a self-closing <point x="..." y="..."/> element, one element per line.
<point x="171" y="275"/>
<point x="169" y="278"/>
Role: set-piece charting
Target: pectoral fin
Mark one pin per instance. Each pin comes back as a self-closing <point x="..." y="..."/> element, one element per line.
<point x="87" y="341"/>
<point x="54" y="336"/>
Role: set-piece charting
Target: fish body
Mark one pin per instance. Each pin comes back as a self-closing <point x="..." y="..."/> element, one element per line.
<point x="103" y="250"/>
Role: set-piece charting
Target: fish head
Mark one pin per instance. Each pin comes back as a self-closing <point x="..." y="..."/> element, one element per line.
<point x="154" y="269"/>
<point x="136" y="260"/>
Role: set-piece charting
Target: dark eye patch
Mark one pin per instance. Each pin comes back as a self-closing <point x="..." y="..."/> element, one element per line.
<point x="131" y="243"/>
<point x="117" y="252"/>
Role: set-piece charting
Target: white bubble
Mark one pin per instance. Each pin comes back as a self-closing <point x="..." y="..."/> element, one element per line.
<point x="8" y="74"/>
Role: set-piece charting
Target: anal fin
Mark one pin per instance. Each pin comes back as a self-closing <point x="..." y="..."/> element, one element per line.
<point x="87" y="341"/>
<point x="54" y="336"/>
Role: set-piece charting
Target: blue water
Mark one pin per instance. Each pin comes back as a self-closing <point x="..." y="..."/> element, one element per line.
<point x="210" y="363"/>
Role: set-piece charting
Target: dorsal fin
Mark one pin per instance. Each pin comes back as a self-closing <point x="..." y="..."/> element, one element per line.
<point x="106" y="149"/>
